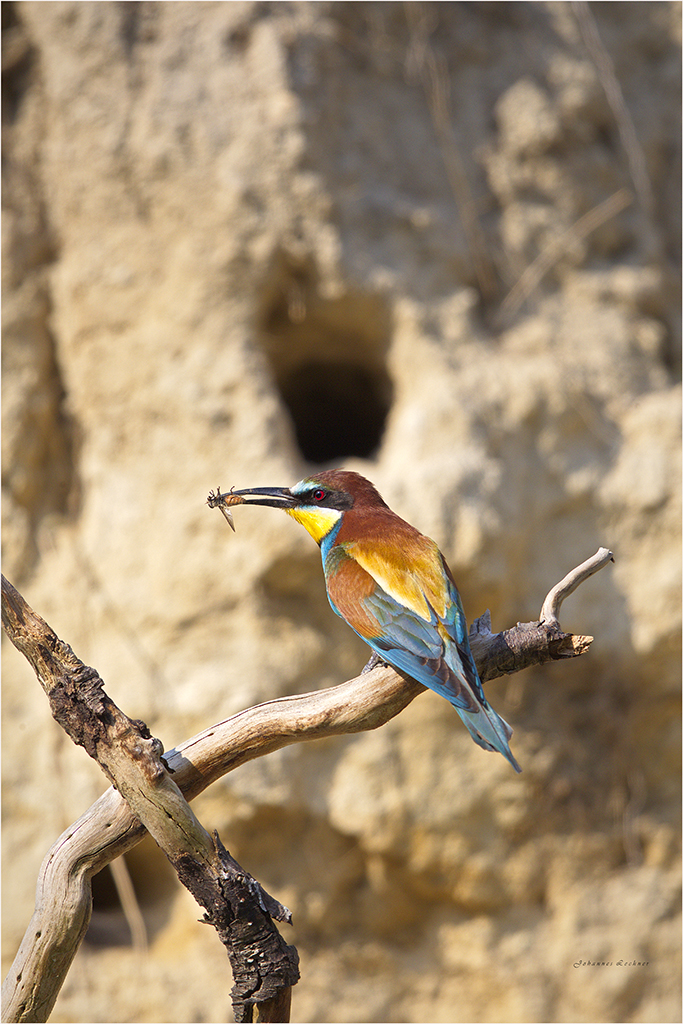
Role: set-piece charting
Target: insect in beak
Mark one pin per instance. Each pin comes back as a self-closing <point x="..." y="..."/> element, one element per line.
<point x="223" y="502"/>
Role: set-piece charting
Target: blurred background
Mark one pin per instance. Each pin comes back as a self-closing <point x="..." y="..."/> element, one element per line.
<point x="437" y="243"/>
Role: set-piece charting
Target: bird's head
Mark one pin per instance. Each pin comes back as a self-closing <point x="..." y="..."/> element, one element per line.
<point x="317" y="502"/>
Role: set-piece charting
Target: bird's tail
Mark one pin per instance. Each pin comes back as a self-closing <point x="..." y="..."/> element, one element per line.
<point x="489" y="730"/>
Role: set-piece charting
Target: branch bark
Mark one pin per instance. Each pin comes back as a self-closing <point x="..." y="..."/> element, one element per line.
<point x="109" y="828"/>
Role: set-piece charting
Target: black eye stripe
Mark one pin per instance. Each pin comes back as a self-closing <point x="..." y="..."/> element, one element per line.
<point x="326" y="498"/>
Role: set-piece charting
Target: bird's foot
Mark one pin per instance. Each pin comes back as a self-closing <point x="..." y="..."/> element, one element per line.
<point x="373" y="661"/>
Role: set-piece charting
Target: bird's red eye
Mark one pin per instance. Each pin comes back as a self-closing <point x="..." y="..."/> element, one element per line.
<point x="319" y="494"/>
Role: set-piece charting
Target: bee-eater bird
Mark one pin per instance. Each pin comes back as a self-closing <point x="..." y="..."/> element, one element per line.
<point x="393" y="587"/>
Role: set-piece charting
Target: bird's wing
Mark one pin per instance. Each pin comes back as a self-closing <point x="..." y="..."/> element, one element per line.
<point x="425" y="650"/>
<point x="410" y="613"/>
<point x="416" y="606"/>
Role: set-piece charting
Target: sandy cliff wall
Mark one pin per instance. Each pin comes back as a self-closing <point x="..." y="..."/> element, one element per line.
<point x="246" y="239"/>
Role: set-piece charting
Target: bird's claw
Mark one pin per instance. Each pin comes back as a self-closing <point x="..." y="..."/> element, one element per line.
<point x="373" y="661"/>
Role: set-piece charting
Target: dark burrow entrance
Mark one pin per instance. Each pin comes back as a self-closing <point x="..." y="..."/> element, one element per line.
<point x="328" y="359"/>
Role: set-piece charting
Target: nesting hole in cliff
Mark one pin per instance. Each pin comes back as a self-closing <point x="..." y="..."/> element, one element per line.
<point x="328" y="360"/>
<point x="153" y="883"/>
<point x="338" y="409"/>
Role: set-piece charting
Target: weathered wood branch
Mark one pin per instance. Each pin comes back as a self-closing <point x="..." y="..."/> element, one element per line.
<point x="109" y="828"/>
<point x="551" y="606"/>
<point x="234" y="902"/>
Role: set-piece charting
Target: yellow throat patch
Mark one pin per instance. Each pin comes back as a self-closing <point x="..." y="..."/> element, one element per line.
<point x="318" y="521"/>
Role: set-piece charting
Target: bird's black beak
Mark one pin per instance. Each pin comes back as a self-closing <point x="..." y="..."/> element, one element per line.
<point x="277" y="497"/>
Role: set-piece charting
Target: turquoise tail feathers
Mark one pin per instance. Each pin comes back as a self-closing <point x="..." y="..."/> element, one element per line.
<point x="489" y="731"/>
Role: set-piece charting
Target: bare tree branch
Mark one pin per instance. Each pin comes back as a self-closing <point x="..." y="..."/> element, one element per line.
<point x="432" y="70"/>
<point x="234" y="903"/>
<point x="551" y="606"/>
<point x="529" y="281"/>
<point x="129" y="904"/>
<point x="615" y="97"/>
<point x="110" y="828"/>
